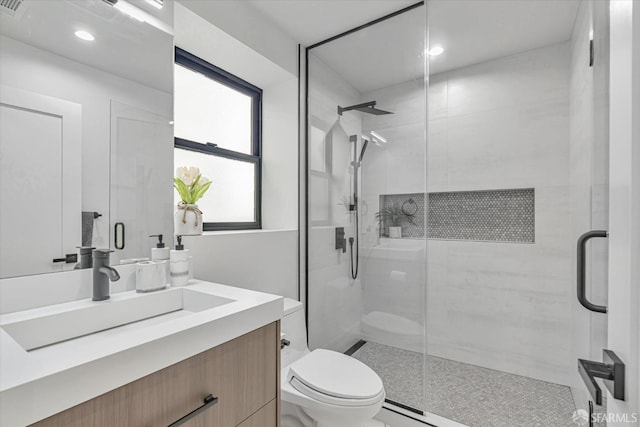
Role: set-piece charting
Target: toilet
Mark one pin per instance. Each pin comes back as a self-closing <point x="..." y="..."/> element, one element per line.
<point x="324" y="388"/>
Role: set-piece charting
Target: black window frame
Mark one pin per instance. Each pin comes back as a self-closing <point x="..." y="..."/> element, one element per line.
<point x="198" y="65"/>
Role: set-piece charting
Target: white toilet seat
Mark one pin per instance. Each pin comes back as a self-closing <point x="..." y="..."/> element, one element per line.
<point x="336" y="379"/>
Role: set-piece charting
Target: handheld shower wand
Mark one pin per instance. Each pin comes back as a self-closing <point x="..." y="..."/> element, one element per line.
<point x="357" y="160"/>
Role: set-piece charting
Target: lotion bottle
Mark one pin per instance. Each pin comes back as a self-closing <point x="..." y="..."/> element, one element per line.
<point x="179" y="264"/>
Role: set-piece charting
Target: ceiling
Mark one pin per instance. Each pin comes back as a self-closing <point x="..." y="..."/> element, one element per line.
<point x="390" y="52"/>
<point x="473" y="31"/>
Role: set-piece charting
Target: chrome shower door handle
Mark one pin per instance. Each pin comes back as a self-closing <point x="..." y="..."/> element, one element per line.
<point x="581" y="264"/>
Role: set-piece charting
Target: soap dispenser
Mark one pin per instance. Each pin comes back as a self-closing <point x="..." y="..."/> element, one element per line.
<point x="179" y="264"/>
<point x="160" y="254"/>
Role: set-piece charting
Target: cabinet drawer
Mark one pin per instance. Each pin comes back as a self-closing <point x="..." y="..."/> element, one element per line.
<point x="265" y="417"/>
<point x="242" y="374"/>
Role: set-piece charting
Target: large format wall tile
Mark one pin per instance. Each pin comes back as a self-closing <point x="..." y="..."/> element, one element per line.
<point x="502" y="124"/>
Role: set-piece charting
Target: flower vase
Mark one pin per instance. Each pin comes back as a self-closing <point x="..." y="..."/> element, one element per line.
<point x="395" y="232"/>
<point x="187" y="220"/>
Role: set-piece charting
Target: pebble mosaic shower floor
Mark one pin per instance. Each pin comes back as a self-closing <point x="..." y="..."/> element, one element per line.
<point x="468" y="394"/>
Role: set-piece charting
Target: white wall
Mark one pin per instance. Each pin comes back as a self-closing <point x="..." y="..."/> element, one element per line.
<point x="398" y="166"/>
<point x="259" y="260"/>
<point x="264" y="261"/>
<point x="35" y="70"/>
<point x="280" y="155"/>
<point x="249" y="26"/>
<point x="393" y="270"/>
<point x="496" y="125"/>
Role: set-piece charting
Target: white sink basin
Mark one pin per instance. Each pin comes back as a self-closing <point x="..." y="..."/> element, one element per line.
<point x="60" y="355"/>
<point x="46" y="326"/>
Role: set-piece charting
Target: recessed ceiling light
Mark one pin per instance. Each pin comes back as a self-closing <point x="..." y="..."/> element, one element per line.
<point x="436" y="50"/>
<point x="84" y="35"/>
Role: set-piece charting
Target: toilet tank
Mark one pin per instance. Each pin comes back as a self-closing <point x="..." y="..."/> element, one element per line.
<point x="294" y="329"/>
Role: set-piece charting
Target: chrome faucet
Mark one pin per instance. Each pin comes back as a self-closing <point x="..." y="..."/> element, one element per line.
<point x="102" y="274"/>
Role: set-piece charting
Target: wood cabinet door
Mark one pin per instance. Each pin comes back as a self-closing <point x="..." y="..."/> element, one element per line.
<point x="242" y="374"/>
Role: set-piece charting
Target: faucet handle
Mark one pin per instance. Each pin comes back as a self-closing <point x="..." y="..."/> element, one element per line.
<point x="102" y="253"/>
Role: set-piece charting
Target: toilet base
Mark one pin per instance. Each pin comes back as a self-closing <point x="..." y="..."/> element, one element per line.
<point x="293" y="416"/>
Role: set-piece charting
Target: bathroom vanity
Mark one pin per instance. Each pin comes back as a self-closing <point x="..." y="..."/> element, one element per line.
<point x="240" y="375"/>
<point x="144" y="360"/>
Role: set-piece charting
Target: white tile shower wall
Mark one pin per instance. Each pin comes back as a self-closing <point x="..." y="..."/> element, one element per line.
<point x="504" y="124"/>
<point x="334" y="298"/>
<point x="393" y="270"/>
<point x="397" y="167"/>
<point x="496" y="125"/>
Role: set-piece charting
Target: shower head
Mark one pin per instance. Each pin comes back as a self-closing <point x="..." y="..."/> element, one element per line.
<point x="367" y="107"/>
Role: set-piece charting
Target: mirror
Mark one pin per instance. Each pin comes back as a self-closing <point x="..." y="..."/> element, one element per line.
<point x="86" y="135"/>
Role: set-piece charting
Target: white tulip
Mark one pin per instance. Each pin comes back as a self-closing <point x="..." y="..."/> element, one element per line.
<point x="187" y="175"/>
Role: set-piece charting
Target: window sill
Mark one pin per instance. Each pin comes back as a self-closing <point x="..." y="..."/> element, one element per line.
<point x="261" y="231"/>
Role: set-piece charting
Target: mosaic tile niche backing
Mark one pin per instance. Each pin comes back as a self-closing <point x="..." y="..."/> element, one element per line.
<point x="413" y="227"/>
<point x="491" y="215"/>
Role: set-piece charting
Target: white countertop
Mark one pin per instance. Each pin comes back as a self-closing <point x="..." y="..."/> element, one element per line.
<point x="39" y="383"/>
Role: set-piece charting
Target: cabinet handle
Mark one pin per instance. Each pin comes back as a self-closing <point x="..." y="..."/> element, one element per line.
<point x="209" y="400"/>
<point x="68" y="258"/>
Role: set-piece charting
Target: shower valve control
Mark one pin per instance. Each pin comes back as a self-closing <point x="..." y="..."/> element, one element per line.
<point x="341" y="242"/>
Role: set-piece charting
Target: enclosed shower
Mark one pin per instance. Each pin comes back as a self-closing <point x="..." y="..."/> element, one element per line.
<point x="445" y="198"/>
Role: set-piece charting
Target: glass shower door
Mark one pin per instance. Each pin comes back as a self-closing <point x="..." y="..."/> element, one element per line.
<point x="366" y="189"/>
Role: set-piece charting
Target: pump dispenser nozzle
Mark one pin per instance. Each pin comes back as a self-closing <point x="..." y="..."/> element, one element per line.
<point x="159" y="244"/>
<point x="179" y="246"/>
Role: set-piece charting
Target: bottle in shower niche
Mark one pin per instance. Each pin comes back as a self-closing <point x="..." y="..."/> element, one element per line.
<point x="179" y="264"/>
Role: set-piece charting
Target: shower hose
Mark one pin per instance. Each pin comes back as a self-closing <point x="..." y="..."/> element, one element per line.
<point x="354" y="271"/>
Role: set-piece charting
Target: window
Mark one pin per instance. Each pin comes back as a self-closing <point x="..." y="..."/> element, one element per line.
<point x="217" y="127"/>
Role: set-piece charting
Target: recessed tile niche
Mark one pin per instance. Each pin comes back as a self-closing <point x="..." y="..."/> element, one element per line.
<point x="488" y="215"/>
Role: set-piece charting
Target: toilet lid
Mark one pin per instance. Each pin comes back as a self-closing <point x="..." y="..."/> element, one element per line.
<point x="324" y="373"/>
